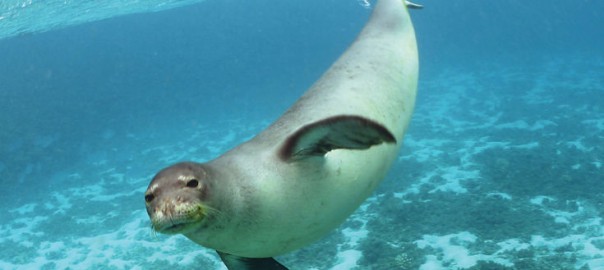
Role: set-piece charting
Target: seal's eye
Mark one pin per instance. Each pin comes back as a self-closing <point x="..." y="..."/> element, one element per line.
<point x="149" y="197"/>
<point x="192" y="183"/>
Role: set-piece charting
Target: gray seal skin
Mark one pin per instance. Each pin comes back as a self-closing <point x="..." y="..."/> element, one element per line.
<point x="306" y="173"/>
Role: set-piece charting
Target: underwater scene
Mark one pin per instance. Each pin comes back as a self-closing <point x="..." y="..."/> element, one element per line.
<point x="502" y="166"/>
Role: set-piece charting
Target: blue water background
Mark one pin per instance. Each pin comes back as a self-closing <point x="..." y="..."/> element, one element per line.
<point x="108" y="90"/>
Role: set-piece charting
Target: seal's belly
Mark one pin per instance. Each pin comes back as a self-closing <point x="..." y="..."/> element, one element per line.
<point x="313" y="200"/>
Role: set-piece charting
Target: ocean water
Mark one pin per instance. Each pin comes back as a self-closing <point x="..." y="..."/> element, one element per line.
<point x="502" y="167"/>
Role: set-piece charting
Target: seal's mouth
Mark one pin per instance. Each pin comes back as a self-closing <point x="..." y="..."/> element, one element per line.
<point x="173" y="228"/>
<point x="173" y="220"/>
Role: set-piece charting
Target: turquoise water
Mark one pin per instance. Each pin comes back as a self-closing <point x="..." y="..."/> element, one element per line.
<point x="502" y="168"/>
<point x="22" y="17"/>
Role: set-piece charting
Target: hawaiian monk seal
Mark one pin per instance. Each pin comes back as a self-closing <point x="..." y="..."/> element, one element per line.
<point x="307" y="172"/>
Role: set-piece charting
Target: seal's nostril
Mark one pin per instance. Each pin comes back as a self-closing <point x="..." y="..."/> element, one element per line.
<point x="149" y="198"/>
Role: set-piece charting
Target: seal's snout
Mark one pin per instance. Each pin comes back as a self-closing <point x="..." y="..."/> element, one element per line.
<point x="171" y="211"/>
<point x="174" y="216"/>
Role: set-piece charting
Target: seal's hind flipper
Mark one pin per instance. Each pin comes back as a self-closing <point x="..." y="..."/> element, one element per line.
<point x="233" y="262"/>
<point x="413" y="5"/>
<point x="338" y="132"/>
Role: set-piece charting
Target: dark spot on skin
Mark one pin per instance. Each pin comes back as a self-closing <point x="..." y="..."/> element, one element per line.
<point x="193" y="183"/>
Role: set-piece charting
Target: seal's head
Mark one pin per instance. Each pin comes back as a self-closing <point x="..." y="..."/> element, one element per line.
<point x="176" y="198"/>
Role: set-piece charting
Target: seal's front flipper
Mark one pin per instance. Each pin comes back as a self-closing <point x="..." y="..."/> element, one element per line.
<point x="338" y="132"/>
<point x="413" y="5"/>
<point x="233" y="262"/>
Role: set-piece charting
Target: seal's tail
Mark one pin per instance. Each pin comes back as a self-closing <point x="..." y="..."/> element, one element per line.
<point x="413" y="5"/>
